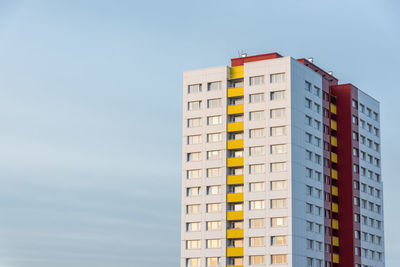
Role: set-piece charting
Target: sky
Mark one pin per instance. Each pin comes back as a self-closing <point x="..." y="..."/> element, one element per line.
<point x="90" y="112"/>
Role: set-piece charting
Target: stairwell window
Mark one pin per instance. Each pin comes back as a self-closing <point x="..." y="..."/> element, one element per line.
<point x="256" y="80"/>
<point x="277" y="77"/>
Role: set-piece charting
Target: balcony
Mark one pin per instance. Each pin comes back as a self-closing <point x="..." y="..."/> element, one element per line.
<point x="335" y="241"/>
<point x="235" y="162"/>
<point x="236" y="72"/>
<point x="334" y="157"/>
<point x="333" y="141"/>
<point x="235" y="92"/>
<point x="234" y="215"/>
<point x="333" y="125"/>
<point x="335" y="191"/>
<point x="234" y="252"/>
<point x="335" y="224"/>
<point x="235" y="144"/>
<point x="235" y="126"/>
<point x="235" y="197"/>
<point x="333" y="108"/>
<point x="335" y="258"/>
<point x="235" y="109"/>
<point x="235" y="179"/>
<point x="234" y="233"/>
<point x="334" y="174"/>
<point x="335" y="208"/>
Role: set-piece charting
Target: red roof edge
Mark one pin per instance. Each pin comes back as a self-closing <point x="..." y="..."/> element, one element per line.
<point x="309" y="64"/>
<point x="241" y="60"/>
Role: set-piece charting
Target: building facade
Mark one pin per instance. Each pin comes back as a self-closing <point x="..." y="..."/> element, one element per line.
<point x="280" y="167"/>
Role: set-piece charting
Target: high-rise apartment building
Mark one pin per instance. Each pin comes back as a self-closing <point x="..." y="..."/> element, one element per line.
<point x="281" y="166"/>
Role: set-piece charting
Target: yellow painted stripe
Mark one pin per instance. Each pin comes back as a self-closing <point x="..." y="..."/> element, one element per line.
<point x="234" y="215"/>
<point x="334" y="125"/>
<point x="234" y="252"/>
<point x="335" y="258"/>
<point x="333" y="141"/>
<point x="333" y="108"/>
<point x="235" y="179"/>
<point x="335" y="241"/>
<point x="335" y="224"/>
<point x="235" y="144"/>
<point x="234" y="233"/>
<point x="235" y="126"/>
<point x="238" y="91"/>
<point x="235" y="162"/>
<point x="334" y="174"/>
<point x="236" y="109"/>
<point x="335" y="207"/>
<point x="237" y="72"/>
<point x="234" y="197"/>
<point x="335" y="190"/>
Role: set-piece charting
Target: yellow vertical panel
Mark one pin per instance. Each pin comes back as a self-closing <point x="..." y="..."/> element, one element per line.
<point x="335" y="241"/>
<point x="335" y="190"/>
<point x="237" y="72"/>
<point x="333" y="108"/>
<point x="334" y="157"/>
<point x="334" y="174"/>
<point x="333" y="141"/>
<point x="334" y="125"/>
<point x="335" y="258"/>
<point x="335" y="207"/>
<point x="335" y="224"/>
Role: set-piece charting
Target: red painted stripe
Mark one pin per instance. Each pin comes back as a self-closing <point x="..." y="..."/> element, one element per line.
<point x="241" y="60"/>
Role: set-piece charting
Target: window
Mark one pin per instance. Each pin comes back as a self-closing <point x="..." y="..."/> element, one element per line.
<point x="257" y="168"/>
<point x="278" y="203"/>
<point x="278" y="131"/>
<point x="214" y="120"/>
<point x="277" y="78"/>
<point x="214" y="155"/>
<point x="257" y="241"/>
<point x="193" y="262"/>
<point x="214" y="86"/>
<point x="375" y="116"/>
<point x="193" y="174"/>
<point x="194" y="105"/>
<point x="308" y="120"/>
<point x="194" y="156"/>
<point x="308" y="103"/>
<point x="278" y="259"/>
<point x="278" y="149"/>
<point x="213" y="261"/>
<point x="317" y="108"/>
<point x="214" y="137"/>
<point x="193" y="209"/>
<point x="257" y="223"/>
<point x="213" y="243"/>
<point x="307" y="86"/>
<point x="256" y="80"/>
<point x="192" y="191"/>
<point x="257" y="187"/>
<point x="277" y="95"/>
<point x="193" y="227"/>
<point x="278" y="222"/>
<point x="193" y="139"/>
<point x="278" y="185"/>
<point x="278" y="167"/>
<point x="214" y="190"/>
<point x="277" y="113"/>
<point x="257" y="204"/>
<point x="308" y="138"/>
<point x="257" y="115"/>
<point x="195" y="122"/>
<point x="213" y="172"/>
<point x="309" y="244"/>
<point x="194" y="88"/>
<point x="317" y="91"/>
<point x="257" y="151"/>
<point x="354" y="119"/>
<point x="257" y="133"/>
<point x="214" y="103"/>
<point x="279" y="240"/>
<point x="254" y="260"/>
<point x="214" y="207"/>
<point x="257" y="98"/>
<point x="354" y="103"/>
<point x="214" y="225"/>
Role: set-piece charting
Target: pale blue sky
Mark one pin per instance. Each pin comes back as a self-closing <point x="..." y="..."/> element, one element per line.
<point x="90" y="109"/>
